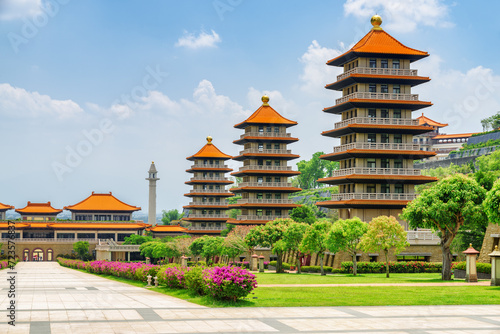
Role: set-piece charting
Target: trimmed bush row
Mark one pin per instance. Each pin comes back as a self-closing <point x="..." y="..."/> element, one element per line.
<point x="219" y="282"/>
<point x="481" y="267"/>
<point x="374" y="267"/>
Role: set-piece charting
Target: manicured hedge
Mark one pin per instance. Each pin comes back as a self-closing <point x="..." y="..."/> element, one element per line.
<point x="394" y="267"/>
<point x="481" y="267"/>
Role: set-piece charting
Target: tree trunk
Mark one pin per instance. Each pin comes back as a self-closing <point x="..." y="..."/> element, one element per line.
<point x="321" y="264"/>
<point x="354" y="264"/>
<point x="446" y="271"/>
<point x="386" y="252"/>
<point x="297" y="254"/>
<point x="279" y="263"/>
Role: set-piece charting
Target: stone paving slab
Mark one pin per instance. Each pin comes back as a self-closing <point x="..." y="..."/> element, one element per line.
<point x="52" y="300"/>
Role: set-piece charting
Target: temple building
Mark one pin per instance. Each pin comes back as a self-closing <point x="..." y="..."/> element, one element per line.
<point x="3" y="209"/>
<point x="99" y="207"/>
<point x="376" y="151"/>
<point x="264" y="188"/>
<point x="208" y="207"/>
<point x="38" y="212"/>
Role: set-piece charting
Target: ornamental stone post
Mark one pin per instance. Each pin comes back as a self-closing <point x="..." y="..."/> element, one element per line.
<point x="495" y="267"/>
<point x="184" y="261"/>
<point x="470" y="266"/>
<point x="261" y="263"/>
<point x="253" y="263"/>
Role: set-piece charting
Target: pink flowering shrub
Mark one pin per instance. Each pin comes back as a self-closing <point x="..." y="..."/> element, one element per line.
<point x="75" y="264"/>
<point x="173" y="276"/>
<point x="228" y="282"/>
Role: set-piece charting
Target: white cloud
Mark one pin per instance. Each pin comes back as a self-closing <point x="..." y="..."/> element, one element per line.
<point x="17" y="102"/>
<point x="401" y="16"/>
<point x="203" y="40"/>
<point x="17" y="9"/>
<point x="460" y="99"/>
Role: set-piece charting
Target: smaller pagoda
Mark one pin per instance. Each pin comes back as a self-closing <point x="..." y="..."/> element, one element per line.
<point x="208" y="207"/>
<point x="39" y="211"/>
<point x="101" y="207"/>
<point x="3" y="209"/>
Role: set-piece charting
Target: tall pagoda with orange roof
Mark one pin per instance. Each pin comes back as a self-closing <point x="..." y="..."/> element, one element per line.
<point x="376" y="152"/>
<point x="208" y="208"/>
<point x="265" y="170"/>
<point x="39" y="211"/>
<point x="3" y="209"/>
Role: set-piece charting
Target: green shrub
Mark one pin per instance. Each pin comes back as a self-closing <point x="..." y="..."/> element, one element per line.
<point x="394" y="267"/>
<point x="481" y="267"/>
<point x="194" y="279"/>
<point x="316" y="269"/>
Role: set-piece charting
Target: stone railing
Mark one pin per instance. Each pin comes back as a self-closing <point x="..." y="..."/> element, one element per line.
<point x="200" y="215"/>
<point x="257" y="167"/>
<point x="422" y="235"/>
<point x="378" y="71"/>
<point x="210" y="191"/>
<point x="264" y="201"/>
<point x="255" y="217"/>
<point x="376" y="171"/>
<point x="377" y="96"/>
<point x="265" y="151"/>
<point x="373" y="196"/>
<point x="208" y="203"/>
<point x="206" y="228"/>
<point x="208" y="178"/>
<point x="376" y="120"/>
<point x="376" y="146"/>
<point x="265" y="184"/>
<point x="265" y="134"/>
<point x="208" y="166"/>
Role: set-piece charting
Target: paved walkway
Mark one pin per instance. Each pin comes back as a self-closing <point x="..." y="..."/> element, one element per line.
<point x="53" y="299"/>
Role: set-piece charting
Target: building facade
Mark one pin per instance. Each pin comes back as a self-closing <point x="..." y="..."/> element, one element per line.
<point x="208" y="207"/>
<point x="101" y="207"/>
<point x="38" y="212"/>
<point x="264" y="188"/>
<point x="376" y="151"/>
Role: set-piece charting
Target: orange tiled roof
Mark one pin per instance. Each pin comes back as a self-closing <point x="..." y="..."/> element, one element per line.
<point x="380" y="42"/>
<point x="113" y="226"/>
<point x="5" y="207"/>
<point x="457" y="135"/>
<point x="39" y="208"/>
<point x="167" y="228"/>
<point x="265" y="115"/>
<point x="425" y="120"/>
<point x="209" y="151"/>
<point x="102" y="202"/>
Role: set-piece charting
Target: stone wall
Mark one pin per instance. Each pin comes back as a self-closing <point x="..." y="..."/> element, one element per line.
<point x="491" y="238"/>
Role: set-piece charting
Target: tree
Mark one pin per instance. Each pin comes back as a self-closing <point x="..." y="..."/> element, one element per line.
<point x="491" y="123"/>
<point x="212" y="247"/>
<point x="314" y="169"/>
<point x="233" y="246"/>
<point x="82" y="250"/>
<point x="452" y="204"/>
<point x="168" y="216"/>
<point x="196" y="246"/>
<point x="345" y="235"/>
<point x="291" y="240"/>
<point x="303" y="214"/>
<point x="147" y="248"/>
<point x="492" y="203"/>
<point x="314" y="240"/>
<point x="136" y="239"/>
<point x="267" y="236"/>
<point x="487" y="169"/>
<point x="384" y="233"/>
<point x="182" y="244"/>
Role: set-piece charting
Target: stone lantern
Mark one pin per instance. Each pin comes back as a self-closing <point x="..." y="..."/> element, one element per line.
<point x="261" y="263"/>
<point x="495" y="267"/>
<point x="253" y="264"/>
<point x="470" y="266"/>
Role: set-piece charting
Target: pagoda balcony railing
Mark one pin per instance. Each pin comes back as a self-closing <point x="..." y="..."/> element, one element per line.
<point x="421" y="235"/>
<point x="209" y="178"/>
<point x="376" y="120"/>
<point x="265" y="151"/>
<point x="210" y="191"/>
<point x="376" y="146"/>
<point x="258" y="167"/>
<point x="265" y="184"/>
<point x="378" y="71"/>
<point x="376" y="171"/>
<point x="201" y="165"/>
<point x="255" y="217"/>
<point x="207" y="215"/>
<point x="265" y="134"/>
<point x="60" y="240"/>
<point x="373" y="196"/>
<point x="377" y="96"/>
<point x="208" y="203"/>
<point x="206" y="228"/>
<point x="264" y="201"/>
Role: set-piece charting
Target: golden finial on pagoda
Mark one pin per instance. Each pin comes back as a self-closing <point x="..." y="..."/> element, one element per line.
<point x="376" y="21"/>
<point x="265" y="99"/>
<point x="209" y="140"/>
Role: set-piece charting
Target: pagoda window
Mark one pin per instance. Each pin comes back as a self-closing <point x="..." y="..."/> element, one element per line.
<point x="259" y="179"/>
<point x="269" y="212"/>
<point x="205" y="174"/>
<point x="261" y="147"/>
<point x="277" y="196"/>
<point x="260" y="162"/>
<point x="384" y="88"/>
<point x="204" y="199"/>
<point x="373" y="63"/>
<point x="396" y="89"/>
<point x="85" y="235"/>
<point x="276" y="129"/>
<point x="269" y="129"/>
<point x="210" y="212"/>
<point x="217" y="212"/>
<point x="276" y="146"/>
<point x="384" y="63"/>
<point x="260" y="195"/>
<point x="372" y="113"/>
<point x="217" y="162"/>
<point x="217" y="186"/>
<point x="277" y="212"/>
<point x="349" y="164"/>
<point x="259" y="212"/>
<point x="277" y="163"/>
<point x="385" y="189"/>
<point x="384" y="138"/>
<point x="203" y="212"/>
<point x="277" y="179"/>
<point x="371" y="188"/>
<point x="66" y="236"/>
<point x="397" y="113"/>
<point x="269" y="146"/>
<point x="261" y="129"/>
<point x="395" y="63"/>
<point x="269" y="196"/>
<point x="372" y="137"/>
<point x="269" y="162"/>
<point x="217" y="200"/>
<point x="398" y="138"/>
<point x="384" y="113"/>
<point x="372" y="88"/>
<point x="398" y="163"/>
<point x="398" y="188"/>
<point x="205" y="162"/>
<point x="371" y="163"/>
<point x="384" y="163"/>
<point x="269" y="179"/>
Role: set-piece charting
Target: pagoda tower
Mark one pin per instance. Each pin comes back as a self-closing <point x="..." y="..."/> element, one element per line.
<point x="376" y="152"/>
<point x="264" y="188"/>
<point x="208" y="208"/>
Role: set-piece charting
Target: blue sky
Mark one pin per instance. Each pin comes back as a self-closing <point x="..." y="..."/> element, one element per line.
<point x="149" y="80"/>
